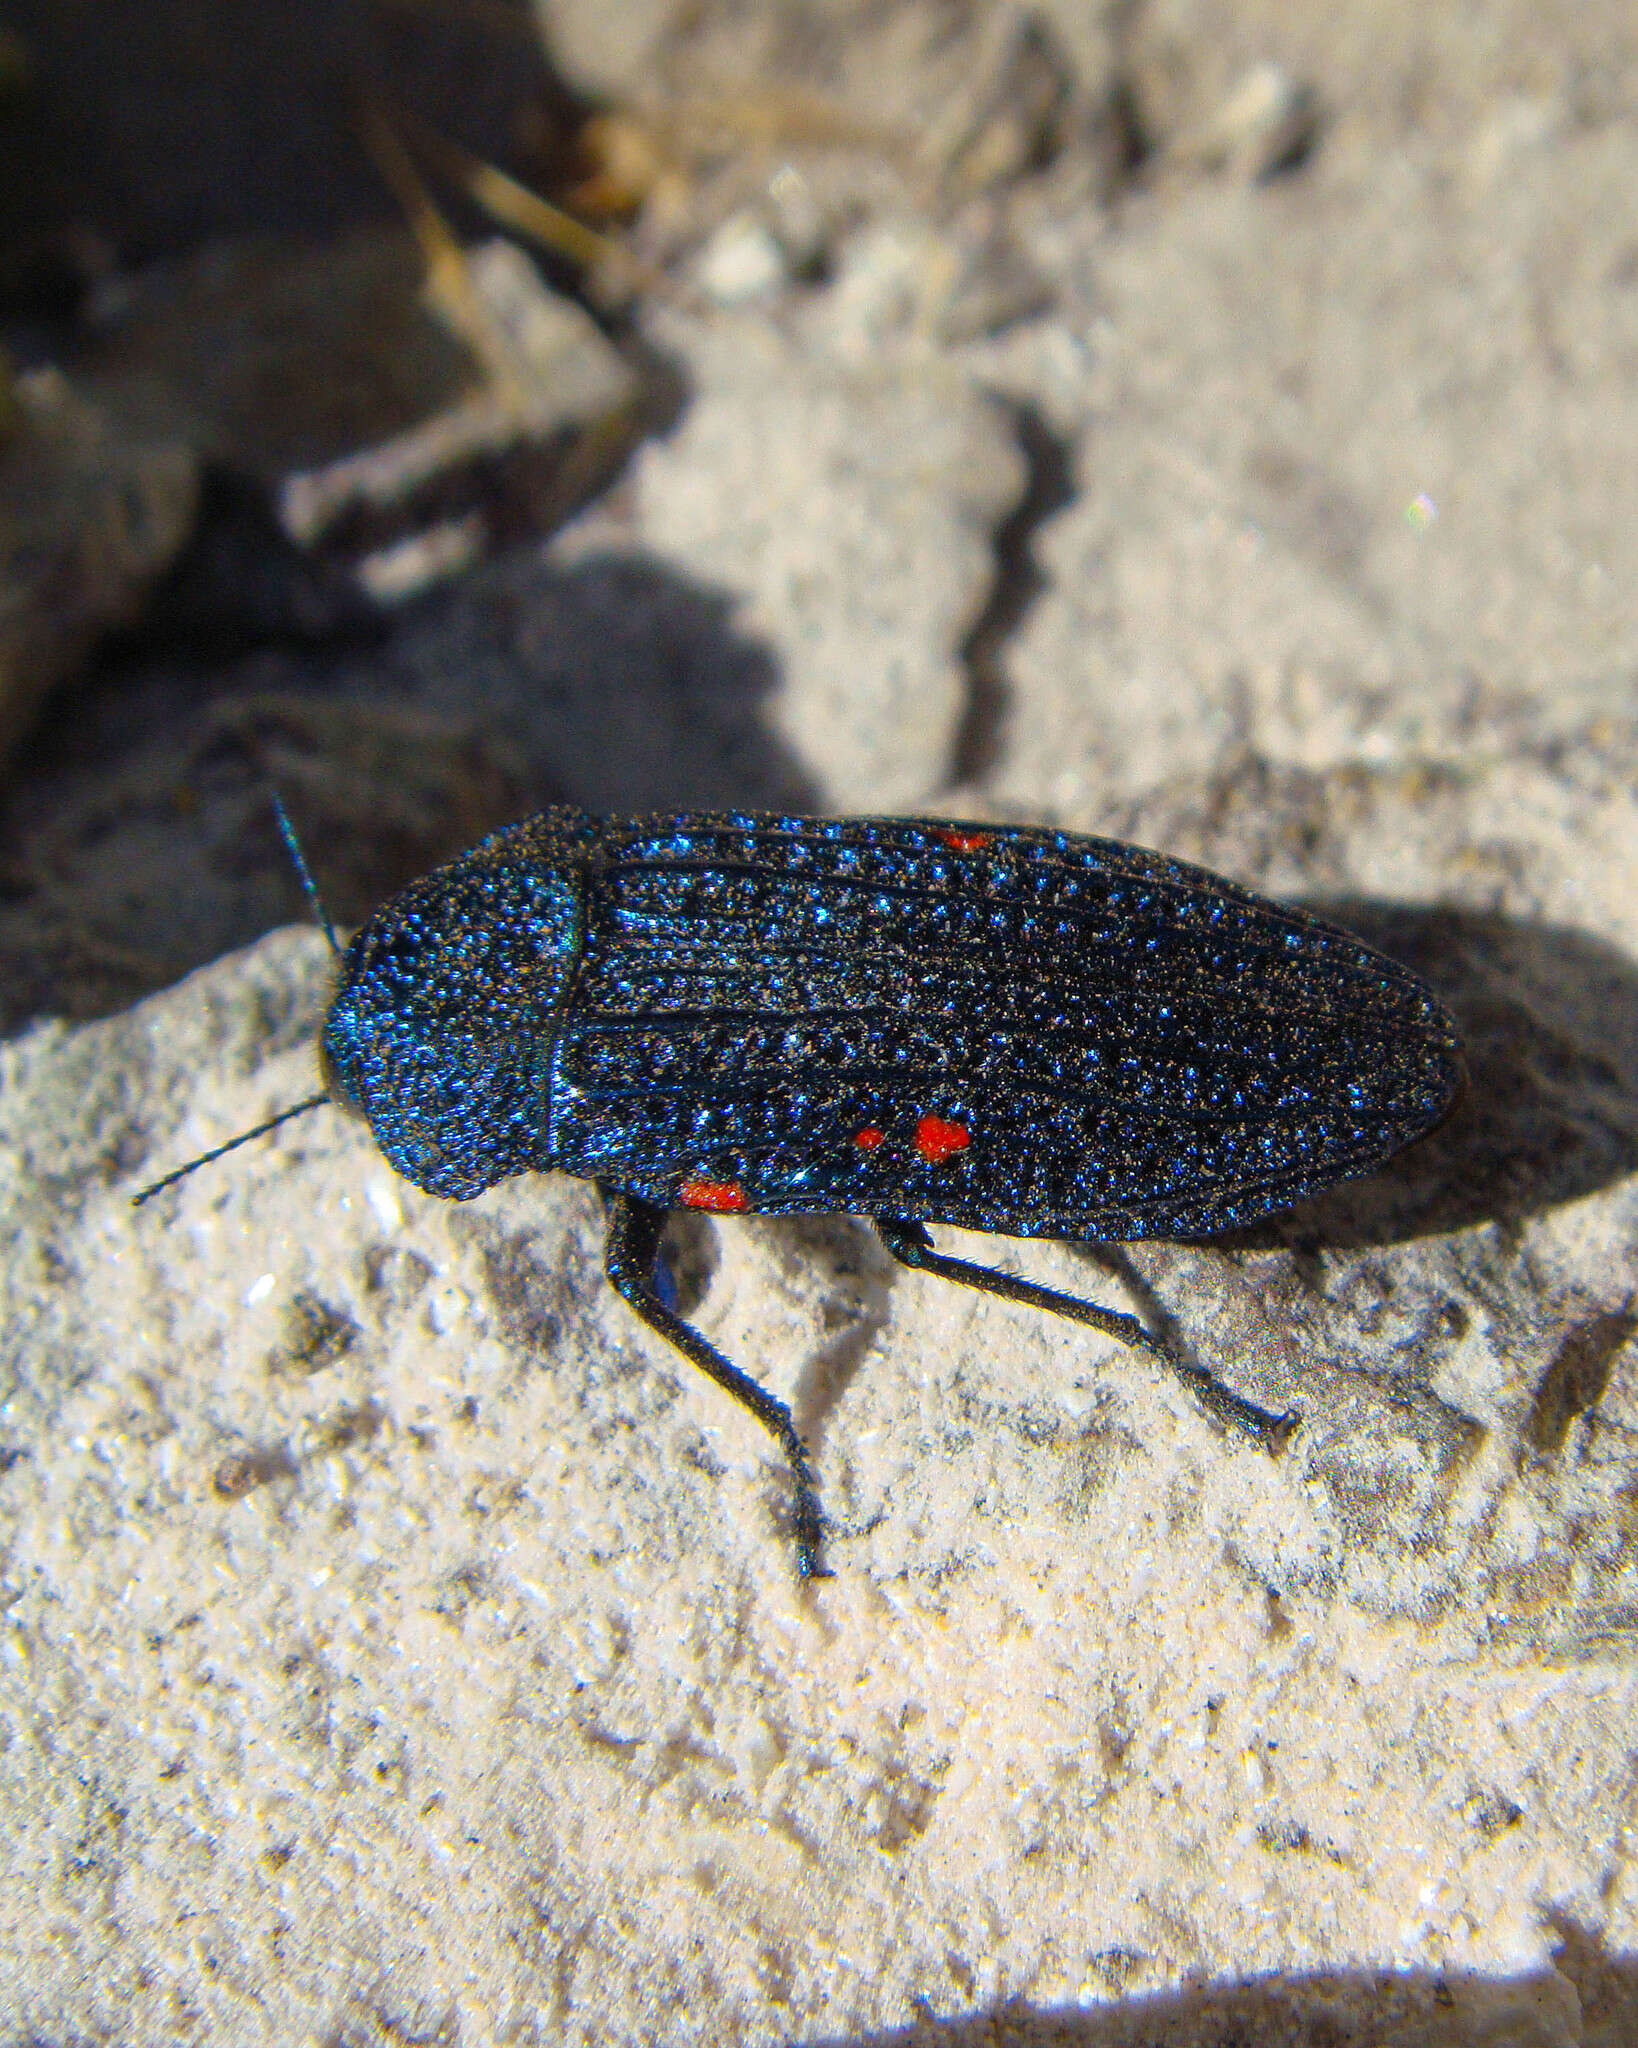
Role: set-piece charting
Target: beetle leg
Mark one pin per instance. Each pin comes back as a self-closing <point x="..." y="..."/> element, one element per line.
<point x="910" y="1244"/>
<point x="628" y="1258"/>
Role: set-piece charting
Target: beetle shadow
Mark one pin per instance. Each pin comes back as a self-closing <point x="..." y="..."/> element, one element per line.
<point x="1549" y="1020"/>
<point x="1313" y="2009"/>
<point x="856" y="1289"/>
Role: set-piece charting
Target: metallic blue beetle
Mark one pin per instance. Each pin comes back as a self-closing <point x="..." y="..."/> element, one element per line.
<point x="1007" y="1029"/>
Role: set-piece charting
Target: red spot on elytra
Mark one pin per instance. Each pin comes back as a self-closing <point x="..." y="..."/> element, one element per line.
<point x="722" y="1196"/>
<point x="965" y="842"/>
<point x="869" y="1138"/>
<point x="937" y="1137"/>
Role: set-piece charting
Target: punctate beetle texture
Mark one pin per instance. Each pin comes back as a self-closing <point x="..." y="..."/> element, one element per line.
<point x="999" y="1027"/>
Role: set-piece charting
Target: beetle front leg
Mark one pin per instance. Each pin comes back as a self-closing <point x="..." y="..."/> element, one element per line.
<point x="910" y="1244"/>
<point x="628" y="1258"/>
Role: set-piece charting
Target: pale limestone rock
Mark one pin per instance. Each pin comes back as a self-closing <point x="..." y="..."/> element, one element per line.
<point x="379" y="1594"/>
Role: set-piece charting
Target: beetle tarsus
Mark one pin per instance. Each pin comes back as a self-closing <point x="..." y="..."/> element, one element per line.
<point x="1272" y="1431"/>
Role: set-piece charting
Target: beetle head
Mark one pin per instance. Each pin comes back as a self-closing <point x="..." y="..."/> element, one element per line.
<point x="442" y="1026"/>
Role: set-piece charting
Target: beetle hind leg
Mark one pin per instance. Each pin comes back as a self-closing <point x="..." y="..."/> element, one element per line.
<point x="628" y="1258"/>
<point x="910" y="1244"/>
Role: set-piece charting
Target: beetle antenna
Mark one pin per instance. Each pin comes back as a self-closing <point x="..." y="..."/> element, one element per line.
<point x="232" y="1145"/>
<point x="287" y="832"/>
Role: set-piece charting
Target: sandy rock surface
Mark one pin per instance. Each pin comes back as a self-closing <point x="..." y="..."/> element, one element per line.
<point x="398" y="1643"/>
